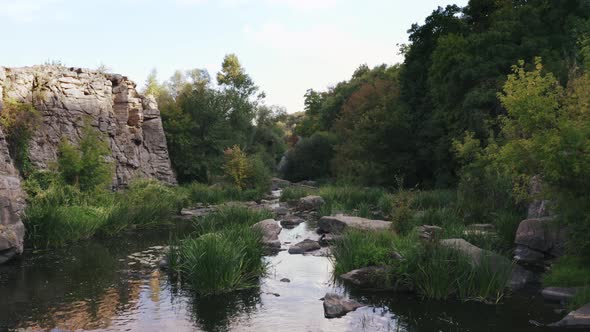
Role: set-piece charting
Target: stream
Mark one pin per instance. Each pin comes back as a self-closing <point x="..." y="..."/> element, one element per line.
<point x="115" y="285"/>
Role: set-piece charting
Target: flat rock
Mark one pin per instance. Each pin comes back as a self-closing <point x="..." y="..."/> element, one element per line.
<point x="559" y="294"/>
<point x="270" y="232"/>
<point x="429" y="232"/>
<point x="337" y="224"/>
<point x="328" y="239"/>
<point x="579" y="319"/>
<point x="304" y="246"/>
<point x="337" y="306"/>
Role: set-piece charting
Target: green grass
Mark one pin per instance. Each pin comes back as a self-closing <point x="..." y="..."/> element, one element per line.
<point x="432" y="199"/>
<point x="222" y="261"/>
<point x="433" y="271"/>
<point x="352" y="200"/>
<point x="230" y="215"/>
<point x="568" y="271"/>
<point x="61" y="214"/>
<point x="581" y="298"/>
<point x="294" y="193"/>
<point x="217" y="194"/>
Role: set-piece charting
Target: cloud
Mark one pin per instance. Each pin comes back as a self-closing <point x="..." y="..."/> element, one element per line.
<point x="26" y="11"/>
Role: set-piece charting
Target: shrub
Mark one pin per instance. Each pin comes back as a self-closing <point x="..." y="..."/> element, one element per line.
<point x="85" y="166"/>
<point x="310" y="158"/>
<point x="19" y="121"/>
<point x="236" y="165"/>
<point x="223" y="261"/>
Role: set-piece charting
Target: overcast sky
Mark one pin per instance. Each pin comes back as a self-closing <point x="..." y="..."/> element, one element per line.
<point x="287" y="46"/>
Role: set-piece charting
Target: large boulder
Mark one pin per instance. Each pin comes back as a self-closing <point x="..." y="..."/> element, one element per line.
<point x="338" y="223"/>
<point x="311" y="202"/>
<point x="270" y="232"/>
<point x="67" y="98"/>
<point x="337" y="306"/>
<point x="538" y="241"/>
<point x="304" y="246"/>
<point x="477" y="256"/>
<point x="579" y="319"/>
<point x="12" y="203"/>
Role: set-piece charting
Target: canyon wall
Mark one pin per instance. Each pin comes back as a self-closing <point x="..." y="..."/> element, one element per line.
<point x="68" y="99"/>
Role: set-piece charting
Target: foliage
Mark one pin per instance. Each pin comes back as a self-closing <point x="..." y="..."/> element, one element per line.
<point x="202" y="121"/>
<point x="19" y="121"/>
<point x="310" y="158"/>
<point x="568" y="271"/>
<point x="85" y="167"/>
<point x="216" y="194"/>
<point x="236" y="166"/>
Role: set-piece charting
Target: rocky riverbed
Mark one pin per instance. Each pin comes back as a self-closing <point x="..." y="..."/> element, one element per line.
<point x="116" y="285"/>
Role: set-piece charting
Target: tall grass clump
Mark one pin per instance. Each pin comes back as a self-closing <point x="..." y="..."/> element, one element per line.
<point x="230" y="215"/>
<point x="351" y="199"/>
<point x="433" y="199"/>
<point x="222" y="261"/>
<point x="217" y="194"/>
<point x="293" y="193"/>
<point x="357" y="249"/>
<point x="144" y="203"/>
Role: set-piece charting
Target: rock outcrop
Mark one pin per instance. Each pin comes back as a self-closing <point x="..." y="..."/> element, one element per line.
<point x="12" y="203"/>
<point x="67" y="98"/>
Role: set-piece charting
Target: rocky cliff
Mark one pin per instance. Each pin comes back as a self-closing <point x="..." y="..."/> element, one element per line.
<point x="67" y="99"/>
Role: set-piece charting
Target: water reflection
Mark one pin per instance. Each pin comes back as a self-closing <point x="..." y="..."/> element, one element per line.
<point x="101" y="285"/>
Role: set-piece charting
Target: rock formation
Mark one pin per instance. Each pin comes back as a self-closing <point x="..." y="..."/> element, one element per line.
<point x="12" y="203"/>
<point x="67" y="98"/>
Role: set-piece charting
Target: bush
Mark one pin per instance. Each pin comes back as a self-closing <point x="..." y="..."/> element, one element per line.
<point x="85" y="166"/>
<point x="310" y="158"/>
<point x="19" y="122"/>
<point x="223" y="261"/>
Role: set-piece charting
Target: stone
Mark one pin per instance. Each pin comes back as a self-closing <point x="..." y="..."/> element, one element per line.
<point x="338" y="223"/>
<point x="280" y="210"/>
<point x="476" y="255"/>
<point x="109" y="102"/>
<point x="291" y="221"/>
<point x="270" y="232"/>
<point x="285" y="280"/>
<point x="304" y="246"/>
<point x="328" y="239"/>
<point x="429" y="232"/>
<point x="12" y="205"/>
<point x="310" y="203"/>
<point x="559" y="294"/>
<point x="579" y="319"/>
<point x="521" y="278"/>
<point x="308" y="183"/>
<point x="538" y="207"/>
<point x="277" y="183"/>
<point x="337" y="306"/>
<point x="543" y="235"/>
<point x="373" y="278"/>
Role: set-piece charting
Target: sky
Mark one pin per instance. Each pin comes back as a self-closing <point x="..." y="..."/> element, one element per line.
<point x="286" y="46"/>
